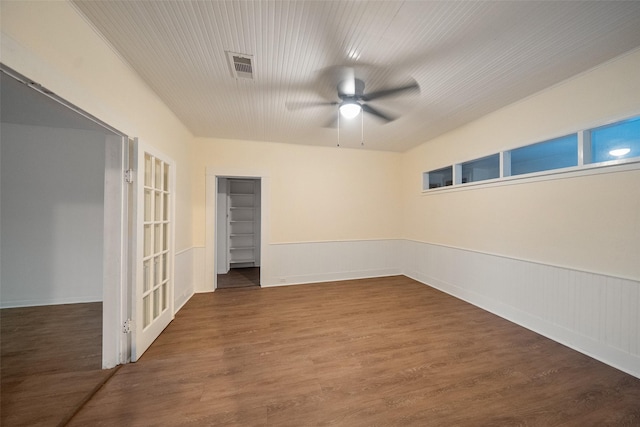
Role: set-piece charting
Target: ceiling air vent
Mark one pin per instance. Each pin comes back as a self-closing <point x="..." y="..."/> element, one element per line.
<point x="241" y="65"/>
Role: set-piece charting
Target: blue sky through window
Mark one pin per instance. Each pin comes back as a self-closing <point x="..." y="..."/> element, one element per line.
<point x="619" y="136"/>
<point x="553" y="154"/>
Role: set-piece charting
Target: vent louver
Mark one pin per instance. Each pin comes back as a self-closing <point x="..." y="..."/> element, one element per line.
<point x="241" y="65"/>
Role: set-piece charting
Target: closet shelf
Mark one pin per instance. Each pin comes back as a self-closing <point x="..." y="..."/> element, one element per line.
<point x="242" y="221"/>
<point x="238" y="261"/>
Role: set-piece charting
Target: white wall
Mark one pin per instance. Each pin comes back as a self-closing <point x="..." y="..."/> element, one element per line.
<point x="52" y="191"/>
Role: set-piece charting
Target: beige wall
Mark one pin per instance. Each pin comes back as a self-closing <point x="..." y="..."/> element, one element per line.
<point x="51" y="44"/>
<point x="590" y="223"/>
<point x="317" y="193"/>
<point x="320" y="194"/>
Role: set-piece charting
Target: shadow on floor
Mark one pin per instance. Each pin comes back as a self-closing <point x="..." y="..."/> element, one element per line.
<point x="240" y="278"/>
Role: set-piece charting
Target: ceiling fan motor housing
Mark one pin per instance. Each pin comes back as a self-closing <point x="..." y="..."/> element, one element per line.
<point x="351" y="89"/>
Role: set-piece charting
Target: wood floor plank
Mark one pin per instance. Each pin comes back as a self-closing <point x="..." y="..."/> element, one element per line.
<point x="375" y="352"/>
<point x="239" y="278"/>
<point x="51" y="359"/>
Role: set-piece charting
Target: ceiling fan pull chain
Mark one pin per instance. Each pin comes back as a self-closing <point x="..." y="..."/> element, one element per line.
<point x="338" y="127"/>
<point x="362" y="129"/>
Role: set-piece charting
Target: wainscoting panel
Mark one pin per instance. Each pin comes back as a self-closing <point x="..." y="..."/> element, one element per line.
<point x="199" y="269"/>
<point x="592" y="313"/>
<point x="297" y="263"/>
<point x="595" y="314"/>
<point x="184" y="285"/>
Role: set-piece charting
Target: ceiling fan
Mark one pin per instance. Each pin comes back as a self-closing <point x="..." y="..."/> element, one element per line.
<point x="352" y="98"/>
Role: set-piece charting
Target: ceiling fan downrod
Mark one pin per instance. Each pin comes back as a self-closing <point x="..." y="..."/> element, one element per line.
<point x="361" y="129"/>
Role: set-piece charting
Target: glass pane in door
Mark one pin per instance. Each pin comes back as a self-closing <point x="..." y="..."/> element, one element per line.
<point x="146" y="274"/>
<point x="146" y="311"/>
<point x="164" y="296"/>
<point x="158" y="238"/>
<point x="154" y="290"/>
<point x="166" y="177"/>
<point x="147" y="205"/>
<point x="158" y="174"/>
<point x="148" y="168"/>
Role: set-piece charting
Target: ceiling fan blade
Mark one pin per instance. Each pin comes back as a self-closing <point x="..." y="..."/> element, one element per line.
<point x="332" y="122"/>
<point x="302" y="105"/>
<point x="390" y="92"/>
<point x="378" y="113"/>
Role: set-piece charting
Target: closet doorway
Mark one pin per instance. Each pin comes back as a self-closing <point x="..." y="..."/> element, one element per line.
<point x="238" y="229"/>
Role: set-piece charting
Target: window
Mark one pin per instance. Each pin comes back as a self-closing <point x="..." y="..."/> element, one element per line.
<point x="438" y="178"/>
<point x="616" y="141"/>
<point x="481" y="169"/>
<point x="583" y="151"/>
<point x="553" y="154"/>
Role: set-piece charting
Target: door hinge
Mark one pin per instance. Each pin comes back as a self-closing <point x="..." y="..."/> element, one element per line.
<point x="126" y="326"/>
<point x="128" y="176"/>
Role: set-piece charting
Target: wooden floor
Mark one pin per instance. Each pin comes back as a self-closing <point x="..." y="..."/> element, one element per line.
<point x="239" y="278"/>
<point x="51" y="361"/>
<point x="375" y="352"/>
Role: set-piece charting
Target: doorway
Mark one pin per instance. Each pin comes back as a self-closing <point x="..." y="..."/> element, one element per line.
<point x="62" y="209"/>
<point x="238" y="225"/>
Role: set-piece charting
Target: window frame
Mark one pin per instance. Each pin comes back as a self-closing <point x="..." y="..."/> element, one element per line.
<point x="426" y="179"/>
<point x="462" y="165"/>
<point x="585" y="166"/>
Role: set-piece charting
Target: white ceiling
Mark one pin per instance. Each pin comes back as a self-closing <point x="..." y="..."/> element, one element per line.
<point x="469" y="58"/>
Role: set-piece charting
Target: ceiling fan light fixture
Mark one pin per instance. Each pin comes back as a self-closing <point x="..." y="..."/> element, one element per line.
<point x="350" y="109"/>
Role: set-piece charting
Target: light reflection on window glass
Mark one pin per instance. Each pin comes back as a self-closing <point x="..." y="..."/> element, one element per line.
<point x="617" y="141"/>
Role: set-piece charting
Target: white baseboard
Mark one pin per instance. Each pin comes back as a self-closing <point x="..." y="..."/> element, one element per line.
<point x="334" y="277"/>
<point x="50" y="301"/>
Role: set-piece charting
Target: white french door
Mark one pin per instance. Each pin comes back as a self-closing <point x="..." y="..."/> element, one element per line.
<point x="153" y="289"/>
